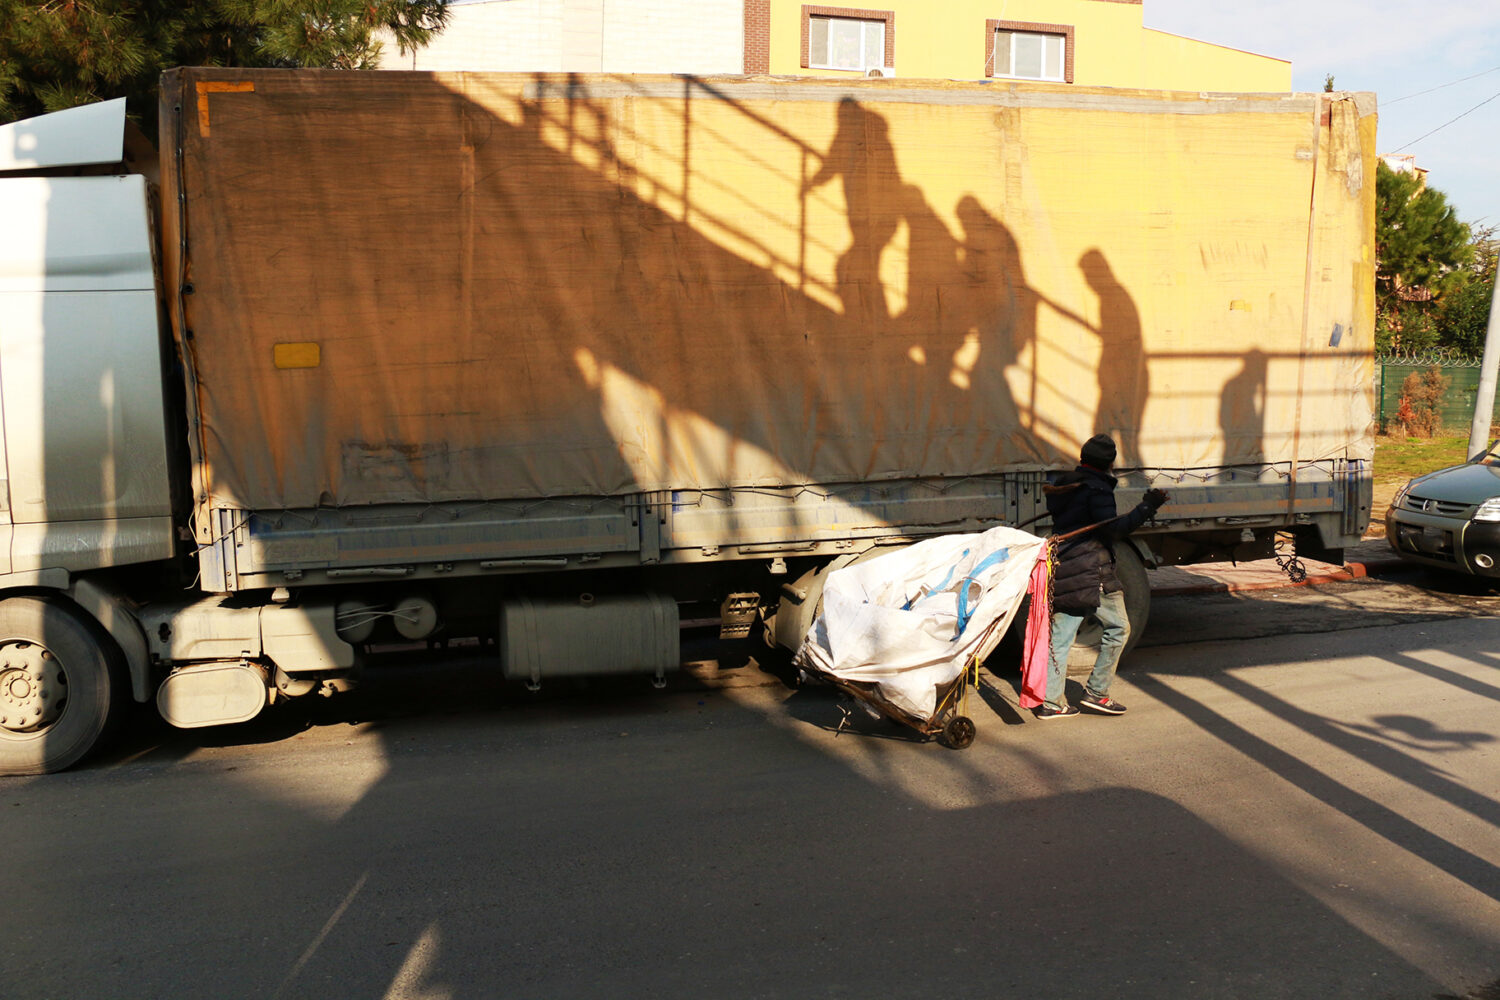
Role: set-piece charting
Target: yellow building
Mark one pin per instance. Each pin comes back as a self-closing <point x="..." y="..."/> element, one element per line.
<point x="1087" y="42"/>
<point x="1091" y="42"/>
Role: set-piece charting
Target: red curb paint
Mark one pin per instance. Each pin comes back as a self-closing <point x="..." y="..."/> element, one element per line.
<point x="1350" y="571"/>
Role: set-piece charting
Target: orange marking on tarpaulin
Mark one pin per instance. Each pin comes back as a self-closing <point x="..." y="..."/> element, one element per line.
<point x="206" y="87"/>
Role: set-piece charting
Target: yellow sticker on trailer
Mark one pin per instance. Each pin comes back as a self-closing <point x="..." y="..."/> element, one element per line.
<point x="306" y="354"/>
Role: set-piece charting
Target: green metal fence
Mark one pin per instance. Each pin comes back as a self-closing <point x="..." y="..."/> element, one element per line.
<point x="1457" y="407"/>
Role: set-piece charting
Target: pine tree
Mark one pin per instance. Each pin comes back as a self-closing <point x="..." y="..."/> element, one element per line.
<point x="58" y="54"/>
<point x="1422" y="254"/>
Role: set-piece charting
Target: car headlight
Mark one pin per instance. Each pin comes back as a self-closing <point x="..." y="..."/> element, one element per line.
<point x="1400" y="496"/>
<point x="1489" y="510"/>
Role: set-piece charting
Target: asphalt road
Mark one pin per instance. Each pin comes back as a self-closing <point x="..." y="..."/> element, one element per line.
<point x="1305" y="805"/>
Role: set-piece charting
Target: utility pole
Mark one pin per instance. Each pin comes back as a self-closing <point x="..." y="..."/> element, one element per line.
<point x="1484" y="402"/>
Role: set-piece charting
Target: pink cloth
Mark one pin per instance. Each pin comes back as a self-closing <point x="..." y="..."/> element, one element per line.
<point x="1038" y="634"/>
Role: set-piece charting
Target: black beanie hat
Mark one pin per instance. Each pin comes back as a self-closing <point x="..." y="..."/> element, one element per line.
<point x="1098" y="451"/>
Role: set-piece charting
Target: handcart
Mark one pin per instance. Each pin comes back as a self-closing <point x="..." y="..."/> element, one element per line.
<point x="950" y="724"/>
<point x="904" y="633"/>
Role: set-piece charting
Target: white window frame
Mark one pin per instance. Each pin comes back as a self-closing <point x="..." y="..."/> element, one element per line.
<point x="1009" y="62"/>
<point x="869" y="60"/>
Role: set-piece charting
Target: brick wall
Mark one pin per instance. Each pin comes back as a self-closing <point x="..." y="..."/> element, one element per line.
<point x="757" y="36"/>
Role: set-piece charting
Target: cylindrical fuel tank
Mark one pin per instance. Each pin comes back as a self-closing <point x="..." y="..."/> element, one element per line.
<point x="628" y="634"/>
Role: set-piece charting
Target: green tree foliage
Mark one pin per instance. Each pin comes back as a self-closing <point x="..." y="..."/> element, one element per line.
<point x="1465" y="314"/>
<point x="57" y="54"/>
<point x="1423" y="257"/>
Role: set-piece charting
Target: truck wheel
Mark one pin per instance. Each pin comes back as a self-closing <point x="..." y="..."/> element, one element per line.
<point x="1137" y="588"/>
<point x="59" y="688"/>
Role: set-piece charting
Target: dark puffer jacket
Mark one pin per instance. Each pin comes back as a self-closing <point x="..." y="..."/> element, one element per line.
<point x="1086" y="564"/>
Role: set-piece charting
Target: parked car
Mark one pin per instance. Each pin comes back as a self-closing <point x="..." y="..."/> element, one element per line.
<point x="1450" y="519"/>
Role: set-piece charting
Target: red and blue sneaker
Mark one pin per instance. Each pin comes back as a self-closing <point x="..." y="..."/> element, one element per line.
<point x="1102" y="703"/>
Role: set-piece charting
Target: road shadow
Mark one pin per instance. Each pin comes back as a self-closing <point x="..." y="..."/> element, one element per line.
<point x="524" y="864"/>
<point x="1375" y="747"/>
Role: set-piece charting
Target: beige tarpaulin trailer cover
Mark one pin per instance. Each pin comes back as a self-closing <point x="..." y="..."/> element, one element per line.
<point x="415" y="288"/>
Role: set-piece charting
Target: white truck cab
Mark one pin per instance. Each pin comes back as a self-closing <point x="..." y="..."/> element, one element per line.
<point x="85" y="462"/>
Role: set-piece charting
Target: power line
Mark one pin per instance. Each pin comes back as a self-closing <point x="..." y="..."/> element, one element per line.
<point x="1447" y="123"/>
<point x="1441" y="86"/>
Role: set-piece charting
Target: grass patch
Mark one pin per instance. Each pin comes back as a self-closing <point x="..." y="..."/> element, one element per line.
<point x="1398" y="459"/>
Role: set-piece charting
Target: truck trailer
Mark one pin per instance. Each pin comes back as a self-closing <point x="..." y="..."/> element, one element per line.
<point x="363" y="367"/>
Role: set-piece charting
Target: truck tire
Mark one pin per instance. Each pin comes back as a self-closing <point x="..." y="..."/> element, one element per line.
<point x="1132" y="573"/>
<point x="61" y="688"/>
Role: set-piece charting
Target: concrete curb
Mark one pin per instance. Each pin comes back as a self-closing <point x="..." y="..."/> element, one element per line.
<point x="1226" y="580"/>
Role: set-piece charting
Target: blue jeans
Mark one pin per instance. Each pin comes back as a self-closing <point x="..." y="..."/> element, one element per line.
<point x="1111" y="615"/>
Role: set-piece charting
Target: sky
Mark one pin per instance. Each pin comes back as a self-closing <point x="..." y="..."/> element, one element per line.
<point x="1396" y="50"/>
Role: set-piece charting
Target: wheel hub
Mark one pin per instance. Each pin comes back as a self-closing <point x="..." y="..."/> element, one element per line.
<point x="33" y="688"/>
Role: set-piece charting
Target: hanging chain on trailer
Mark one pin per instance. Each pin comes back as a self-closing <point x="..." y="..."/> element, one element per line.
<point x="1287" y="559"/>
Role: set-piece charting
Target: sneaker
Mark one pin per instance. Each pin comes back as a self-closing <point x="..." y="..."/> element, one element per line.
<point x="1100" y="703"/>
<point x="1048" y="712"/>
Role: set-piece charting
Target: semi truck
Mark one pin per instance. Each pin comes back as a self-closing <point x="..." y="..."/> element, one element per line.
<point x="352" y="369"/>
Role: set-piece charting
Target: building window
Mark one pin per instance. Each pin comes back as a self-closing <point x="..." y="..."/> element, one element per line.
<point x="847" y="38"/>
<point x="1028" y="51"/>
<point x="846" y="43"/>
<point x="1028" y="54"/>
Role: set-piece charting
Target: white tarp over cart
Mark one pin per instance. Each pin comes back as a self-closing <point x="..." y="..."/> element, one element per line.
<point x="902" y="627"/>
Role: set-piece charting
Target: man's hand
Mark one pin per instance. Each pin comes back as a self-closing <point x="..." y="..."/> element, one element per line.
<point x="1155" y="498"/>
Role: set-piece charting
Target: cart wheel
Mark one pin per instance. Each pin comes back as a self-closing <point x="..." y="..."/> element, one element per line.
<point x="958" y="732"/>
